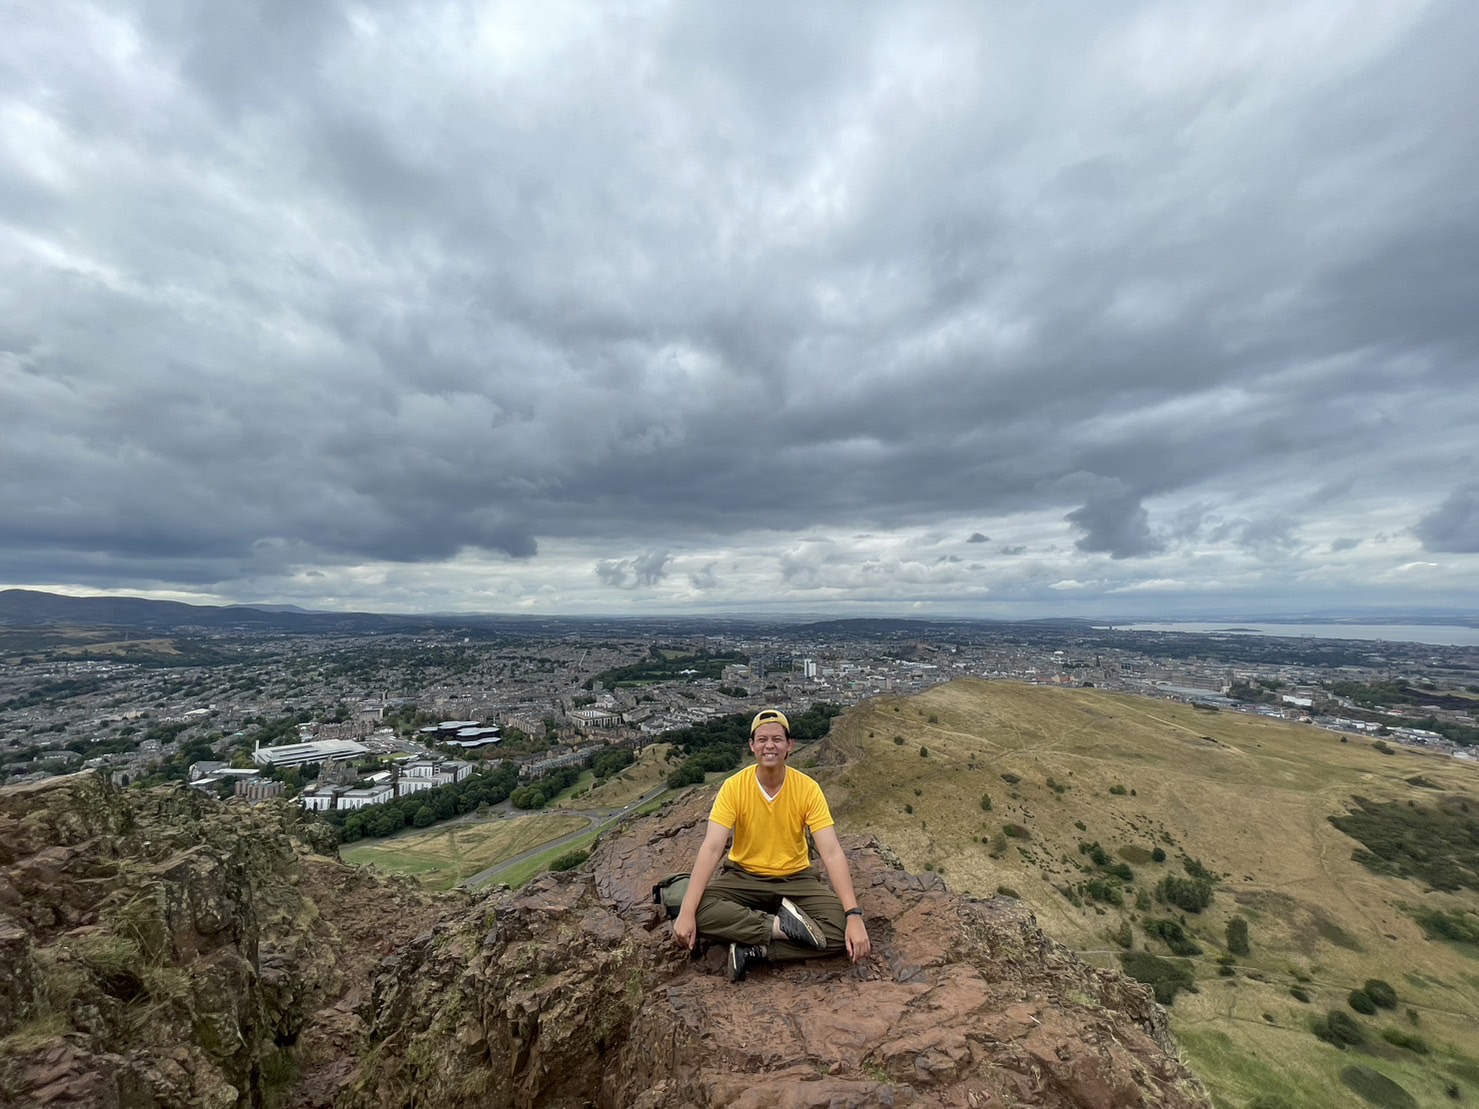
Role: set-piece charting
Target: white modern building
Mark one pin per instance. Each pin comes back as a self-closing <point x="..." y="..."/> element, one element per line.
<point x="423" y="774"/>
<point x="301" y="754"/>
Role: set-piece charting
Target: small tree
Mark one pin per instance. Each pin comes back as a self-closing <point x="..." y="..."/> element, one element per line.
<point x="1381" y="993"/>
<point x="1237" y="936"/>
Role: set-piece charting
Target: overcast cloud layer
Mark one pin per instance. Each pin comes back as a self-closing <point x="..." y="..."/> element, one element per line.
<point x="1009" y="310"/>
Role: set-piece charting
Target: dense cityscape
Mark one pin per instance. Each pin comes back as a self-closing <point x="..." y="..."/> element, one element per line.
<point x="353" y="720"/>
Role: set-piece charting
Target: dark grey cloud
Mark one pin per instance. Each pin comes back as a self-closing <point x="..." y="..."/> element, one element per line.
<point x="1344" y="544"/>
<point x="1116" y="523"/>
<point x="1453" y="526"/>
<point x="293" y="286"/>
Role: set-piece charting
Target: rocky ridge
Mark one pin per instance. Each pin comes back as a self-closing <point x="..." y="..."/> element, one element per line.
<point x="161" y="950"/>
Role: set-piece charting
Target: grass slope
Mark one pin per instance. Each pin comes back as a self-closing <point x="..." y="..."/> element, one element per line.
<point x="442" y="856"/>
<point x="1251" y="798"/>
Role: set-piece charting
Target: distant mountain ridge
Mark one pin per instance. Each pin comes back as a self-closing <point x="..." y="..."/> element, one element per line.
<point x="34" y="608"/>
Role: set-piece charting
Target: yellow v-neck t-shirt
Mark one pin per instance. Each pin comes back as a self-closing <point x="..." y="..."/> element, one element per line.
<point x="769" y="835"/>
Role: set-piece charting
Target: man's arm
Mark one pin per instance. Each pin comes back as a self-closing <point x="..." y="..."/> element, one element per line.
<point x="685" y="928"/>
<point x="858" y="944"/>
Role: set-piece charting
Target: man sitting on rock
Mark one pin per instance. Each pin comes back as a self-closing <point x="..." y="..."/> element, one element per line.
<point x="768" y="902"/>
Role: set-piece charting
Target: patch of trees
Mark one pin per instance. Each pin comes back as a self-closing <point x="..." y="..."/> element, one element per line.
<point x="541" y="792"/>
<point x="660" y="666"/>
<point x="691" y="770"/>
<point x="1456" y="925"/>
<point x="1166" y="977"/>
<point x="1438" y="844"/>
<point x="1190" y="895"/>
<point x="1237" y="936"/>
<point x="1173" y="935"/>
<point x="612" y="762"/>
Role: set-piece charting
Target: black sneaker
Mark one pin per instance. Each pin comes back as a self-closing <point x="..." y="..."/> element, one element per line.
<point x="798" y="927"/>
<point x="740" y="956"/>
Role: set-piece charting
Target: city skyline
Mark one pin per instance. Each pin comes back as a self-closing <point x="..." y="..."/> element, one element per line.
<point x="682" y="308"/>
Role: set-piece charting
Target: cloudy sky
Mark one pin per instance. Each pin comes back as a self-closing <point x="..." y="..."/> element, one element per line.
<point x="985" y="309"/>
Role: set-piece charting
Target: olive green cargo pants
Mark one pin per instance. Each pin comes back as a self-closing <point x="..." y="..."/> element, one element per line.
<point x="737" y="907"/>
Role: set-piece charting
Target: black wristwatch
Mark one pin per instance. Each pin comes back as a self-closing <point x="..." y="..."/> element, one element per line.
<point x="854" y="911"/>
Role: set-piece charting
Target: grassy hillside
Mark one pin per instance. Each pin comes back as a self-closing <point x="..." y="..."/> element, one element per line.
<point x="1248" y="799"/>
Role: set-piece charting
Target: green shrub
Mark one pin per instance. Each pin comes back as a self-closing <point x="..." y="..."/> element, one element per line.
<point x="1166" y="977"/>
<point x="1055" y="786"/>
<point x="1080" y="825"/>
<point x="1196" y="870"/>
<point x="1360" y="1001"/>
<point x="1415" y="1044"/>
<point x="924" y="752"/>
<point x="1007" y="891"/>
<point x="1158" y="855"/>
<point x="898" y="741"/>
<point x="1011" y="779"/>
<point x="909" y="809"/>
<point x="1015" y="831"/>
<point x="1101" y="889"/>
<point x="1299" y="994"/>
<point x="569" y="860"/>
<point x="934" y="718"/>
<point x="1237" y="936"/>
<point x="985" y="802"/>
<point x="1124" y="935"/>
<point x="1381" y="993"/>
<point x="1339" y="1029"/>
<point x="1097" y="855"/>
<point x="1118" y="791"/>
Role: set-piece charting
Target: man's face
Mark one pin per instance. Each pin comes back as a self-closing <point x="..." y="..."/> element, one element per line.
<point x="770" y="745"/>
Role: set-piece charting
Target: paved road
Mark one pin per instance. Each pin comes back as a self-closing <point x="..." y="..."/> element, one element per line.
<point x="607" y="818"/>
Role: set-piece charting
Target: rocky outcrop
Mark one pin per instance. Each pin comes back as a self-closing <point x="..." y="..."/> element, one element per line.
<point x="159" y="949"/>
<point x="571" y="993"/>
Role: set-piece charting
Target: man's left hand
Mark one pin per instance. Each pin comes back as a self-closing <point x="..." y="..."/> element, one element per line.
<point x="858" y="944"/>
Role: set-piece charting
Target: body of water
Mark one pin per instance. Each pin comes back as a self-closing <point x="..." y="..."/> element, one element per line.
<point x="1445" y="635"/>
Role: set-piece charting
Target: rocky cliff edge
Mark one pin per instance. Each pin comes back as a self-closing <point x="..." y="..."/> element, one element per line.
<point x="160" y="950"/>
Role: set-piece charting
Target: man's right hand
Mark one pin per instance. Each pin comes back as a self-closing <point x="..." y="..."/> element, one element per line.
<point x="685" y="930"/>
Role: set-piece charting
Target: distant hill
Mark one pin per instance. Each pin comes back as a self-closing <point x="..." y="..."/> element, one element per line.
<point x="27" y="608"/>
<point x="1249" y="798"/>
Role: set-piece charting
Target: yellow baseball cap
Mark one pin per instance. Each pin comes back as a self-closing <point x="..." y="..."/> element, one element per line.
<point x="770" y="716"/>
